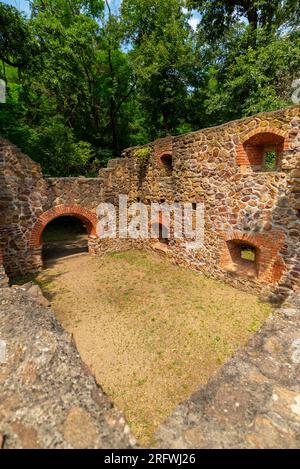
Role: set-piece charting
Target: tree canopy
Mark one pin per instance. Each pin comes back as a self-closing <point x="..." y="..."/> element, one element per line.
<point x="84" y="82"/>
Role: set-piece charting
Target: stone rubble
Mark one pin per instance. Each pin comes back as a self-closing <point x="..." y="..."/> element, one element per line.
<point x="49" y="399"/>
<point x="253" y="401"/>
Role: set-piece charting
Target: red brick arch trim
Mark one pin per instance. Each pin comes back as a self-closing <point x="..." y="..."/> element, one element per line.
<point x="165" y="156"/>
<point x="242" y="157"/>
<point x="264" y="130"/>
<point x="270" y="264"/>
<point x="88" y="217"/>
<point x="165" y="153"/>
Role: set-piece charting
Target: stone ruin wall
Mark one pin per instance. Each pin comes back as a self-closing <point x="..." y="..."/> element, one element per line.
<point x="218" y="167"/>
<point x="29" y="201"/>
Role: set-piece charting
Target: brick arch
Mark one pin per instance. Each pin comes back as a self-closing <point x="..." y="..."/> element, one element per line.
<point x="165" y="159"/>
<point x="262" y="130"/>
<point x="165" y="153"/>
<point x="250" y="149"/>
<point x="88" y="217"/>
<point x="269" y="263"/>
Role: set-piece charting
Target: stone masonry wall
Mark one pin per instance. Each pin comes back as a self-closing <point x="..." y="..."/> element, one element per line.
<point x="49" y="398"/>
<point x="253" y="401"/>
<point x="242" y="203"/>
<point x="26" y="196"/>
<point x="218" y="167"/>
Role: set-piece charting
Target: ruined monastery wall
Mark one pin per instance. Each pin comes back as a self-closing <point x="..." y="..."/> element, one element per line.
<point x="221" y="167"/>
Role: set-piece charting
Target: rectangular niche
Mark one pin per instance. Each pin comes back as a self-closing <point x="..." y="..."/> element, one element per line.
<point x="242" y="259"/>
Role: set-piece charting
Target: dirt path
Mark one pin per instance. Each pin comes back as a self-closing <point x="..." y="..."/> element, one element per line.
<point x="150" y="331"/>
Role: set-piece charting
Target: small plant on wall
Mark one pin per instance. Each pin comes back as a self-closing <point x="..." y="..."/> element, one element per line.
<point x="143" y="153"/>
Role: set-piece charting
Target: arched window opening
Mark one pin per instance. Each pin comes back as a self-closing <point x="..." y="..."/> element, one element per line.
<point x="167" y="164"/>
<point x="64" y="236"/>
<point x="262" y="152"/>
<point x="243" y="258"/>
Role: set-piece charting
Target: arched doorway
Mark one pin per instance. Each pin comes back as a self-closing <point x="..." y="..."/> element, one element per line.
<point x="64" y="236"/>
<point x="62" y="230"/>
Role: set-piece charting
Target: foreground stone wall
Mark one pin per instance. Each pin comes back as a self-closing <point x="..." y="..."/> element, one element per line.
<point x="219" y="167"/>
<point x="252" y="402"/>
<point x="49" y="399"/>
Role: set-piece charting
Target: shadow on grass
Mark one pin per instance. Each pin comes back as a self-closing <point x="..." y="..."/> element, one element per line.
<point x="44" y="280"/>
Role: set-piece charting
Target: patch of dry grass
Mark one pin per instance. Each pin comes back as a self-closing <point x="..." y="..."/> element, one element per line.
<point x="150" y="331"/>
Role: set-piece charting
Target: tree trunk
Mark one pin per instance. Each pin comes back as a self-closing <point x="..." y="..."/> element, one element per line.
<point x="113" y="123"/>
<point x="252" y="16"/>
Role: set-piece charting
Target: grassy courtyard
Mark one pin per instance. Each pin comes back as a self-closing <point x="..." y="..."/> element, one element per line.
<point x="151" y="332"/>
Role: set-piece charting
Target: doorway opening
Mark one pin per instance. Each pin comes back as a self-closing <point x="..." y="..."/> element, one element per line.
<point x="64" y="236"/>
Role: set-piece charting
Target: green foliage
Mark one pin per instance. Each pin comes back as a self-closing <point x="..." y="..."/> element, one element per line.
<point x="53" y="137"/>
<point x="219" y="16"/>
<point x="66" y="11"/>
<point x="143" y="153"/>
<point x="162" y="58"/>
<point x="17" y="43"/>
<point x="248" y="253"/>
<point x="270" y="161"/>
<point x="256" y="80"/>
<point x="84" y="83"/>
<point x="242" y="76"/>
<point x="72" y="96"/>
